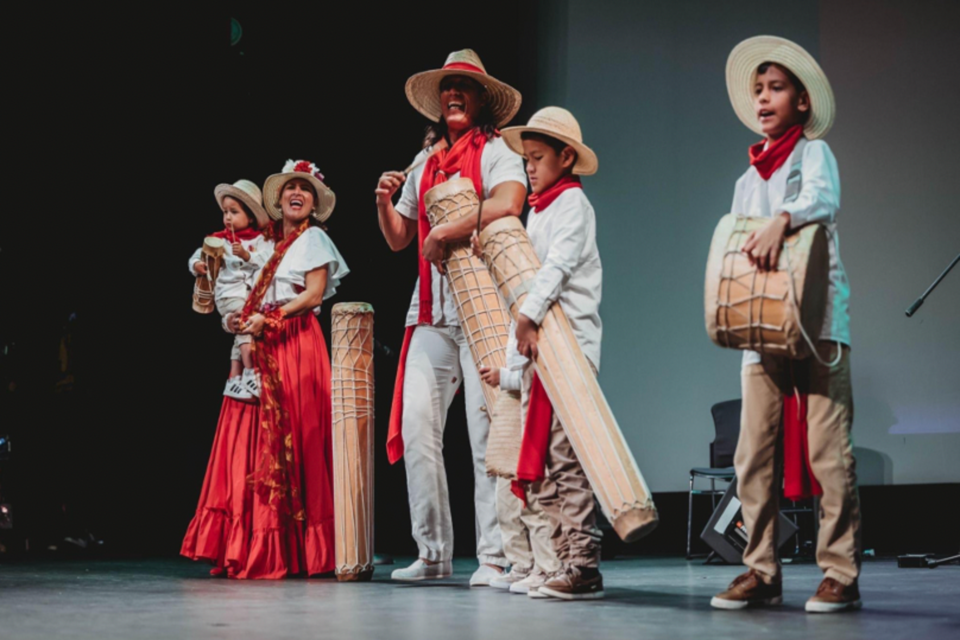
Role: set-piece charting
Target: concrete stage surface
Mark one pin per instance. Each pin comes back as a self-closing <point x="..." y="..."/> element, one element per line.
<point x="646" y="598"/>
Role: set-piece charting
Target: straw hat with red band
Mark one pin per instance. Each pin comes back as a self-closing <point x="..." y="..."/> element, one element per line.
<point x="742" y="66"/>
<point x="423" y="89"/>
<point x="560" y="124"/>
<point x="304" y="170"/>
<point x="246" y="192"/>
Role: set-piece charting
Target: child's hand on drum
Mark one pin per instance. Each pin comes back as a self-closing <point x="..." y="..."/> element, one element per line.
<point x="490" y="376"/>
<point x="388" y="185"/>
<point x="763" y="246"/>
<point x="200" y="267"/>
<point x="240" y="252"/>
<point x="475" y="245"/>
<point x="527" y="331"/>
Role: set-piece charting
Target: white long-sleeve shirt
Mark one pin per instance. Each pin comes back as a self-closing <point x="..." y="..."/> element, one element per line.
<point x="498" y="164"/>
<point x="564" y="236"/>
<point x="511" y="376"/>
<point x="237" y="276"/>
<point x="818" y="201"/>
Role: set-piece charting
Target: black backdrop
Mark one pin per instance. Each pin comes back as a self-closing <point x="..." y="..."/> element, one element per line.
<point x="127" y="124"/>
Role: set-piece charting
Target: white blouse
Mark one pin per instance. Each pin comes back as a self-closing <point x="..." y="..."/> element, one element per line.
<point x="312" y="250"/>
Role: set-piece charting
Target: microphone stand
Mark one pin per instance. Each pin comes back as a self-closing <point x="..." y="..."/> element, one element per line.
<point x="927" y="561"/>
<point x="916" y="305"/>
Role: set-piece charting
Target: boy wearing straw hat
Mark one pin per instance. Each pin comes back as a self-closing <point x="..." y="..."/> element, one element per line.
<point x="779" y="91"/>
<point x="562" y="230"/>
<point x="246" y="252"/>
<point x="467" y="106"/>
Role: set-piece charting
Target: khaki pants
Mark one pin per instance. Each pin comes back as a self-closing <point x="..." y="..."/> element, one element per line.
<point x="525" y="531"/>
<point x="829" y="420"/>
<point x="565" y="495"/>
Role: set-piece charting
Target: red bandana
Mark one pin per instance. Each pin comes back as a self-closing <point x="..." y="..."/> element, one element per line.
<point x="242" y="236"/>
<point x="768" y="160"/>
<point x="540" y="201"/>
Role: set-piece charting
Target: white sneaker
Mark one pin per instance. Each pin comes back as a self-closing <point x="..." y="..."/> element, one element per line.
<point x="505" y="580"/>
<point x="531" y="582"/>
<point x="420" y="570"/>
<point x="251" y="382"/>
<point x="537" y="594"/>
<point x="236" y="390"/>
<point x="482" y="576"/>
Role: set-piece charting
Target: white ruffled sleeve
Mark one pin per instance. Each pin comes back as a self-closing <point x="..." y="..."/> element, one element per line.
<point x="312" y="251"/>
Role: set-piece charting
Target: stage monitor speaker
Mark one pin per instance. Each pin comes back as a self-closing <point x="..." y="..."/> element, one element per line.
<point x="726" y="534"/>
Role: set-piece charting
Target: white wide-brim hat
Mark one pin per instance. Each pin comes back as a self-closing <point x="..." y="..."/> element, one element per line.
<point x="558" y="123"/>
<point x="423" y="89"/>
<point x="246" y="192"/>
<point x="304" y="170"/>
<point x="742" y="76"/>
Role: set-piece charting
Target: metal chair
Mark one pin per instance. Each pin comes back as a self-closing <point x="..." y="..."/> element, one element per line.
<point x="726" y="422"/>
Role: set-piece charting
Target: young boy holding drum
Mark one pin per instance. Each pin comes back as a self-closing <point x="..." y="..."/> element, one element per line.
<point x="779" y="91"/>
<point x="562" y="230"/>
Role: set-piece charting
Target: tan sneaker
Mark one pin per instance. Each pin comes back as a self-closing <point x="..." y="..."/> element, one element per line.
<point x="574" y="583"/>
<point x="834" y="596"/>
<point x="748" y="590"/>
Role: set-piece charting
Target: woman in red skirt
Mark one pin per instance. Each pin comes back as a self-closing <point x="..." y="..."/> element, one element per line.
<point x="266" y="508"/>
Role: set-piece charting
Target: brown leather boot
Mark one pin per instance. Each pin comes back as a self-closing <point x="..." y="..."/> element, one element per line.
<point x="834" y="596"/>
<point x="574" y="583"/>
<point x="748" y="590"/>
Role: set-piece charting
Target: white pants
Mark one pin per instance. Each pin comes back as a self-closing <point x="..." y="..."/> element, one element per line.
<point x="234" y="305"/>
<point x="437" y="361"/>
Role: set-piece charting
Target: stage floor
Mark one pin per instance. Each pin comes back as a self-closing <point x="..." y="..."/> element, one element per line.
<point x="646" y="598"/>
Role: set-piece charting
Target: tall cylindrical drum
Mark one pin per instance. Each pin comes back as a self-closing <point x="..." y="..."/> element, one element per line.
<point x="483" y="317"/>
<point x="572" y="388"/>
<point x="351" y="335"/>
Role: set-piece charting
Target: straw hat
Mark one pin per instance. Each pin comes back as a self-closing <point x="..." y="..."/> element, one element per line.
<point x="560" y="124"/>
<point x="742" y="75"/>
<point x="304" y="170"/>
<point x="246" y="192"/>
<point x="423" y="89"/>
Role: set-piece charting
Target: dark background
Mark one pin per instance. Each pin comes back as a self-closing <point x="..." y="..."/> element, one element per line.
<point x="121" y="126"/>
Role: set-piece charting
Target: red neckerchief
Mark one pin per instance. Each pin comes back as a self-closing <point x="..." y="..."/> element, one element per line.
<point x="271" y="478"/>
<point x="463" y="158"/>
<point x="540" y="201"/>
<point x="242" y="236"/>
<point x="768" y="160"/>
<point x="536" y="440"/>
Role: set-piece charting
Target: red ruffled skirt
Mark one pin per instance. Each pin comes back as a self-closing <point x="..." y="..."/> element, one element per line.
<point x="234" y="528"/>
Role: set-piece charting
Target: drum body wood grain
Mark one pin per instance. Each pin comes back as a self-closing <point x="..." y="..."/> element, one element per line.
<point x="483" y="317"/>
<point x="351" y="335"/>
<point x="766" y="311"/>
<point x="572" y="388"/>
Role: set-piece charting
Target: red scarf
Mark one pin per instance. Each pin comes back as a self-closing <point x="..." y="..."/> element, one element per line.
<point x="463" y="158"/>
<point x="798" y="479"/>
<point x="242" y="236"/>
<point x="536" y="440"/>
<point x="271" y="478"/>
<point x="768" y="160"/>
<point x="540" y="201"/>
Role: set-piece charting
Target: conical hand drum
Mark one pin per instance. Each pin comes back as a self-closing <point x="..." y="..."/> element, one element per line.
<point x="484" y="319"/>
<point x="352" y="397"/>
<point x="572" y="388"/>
